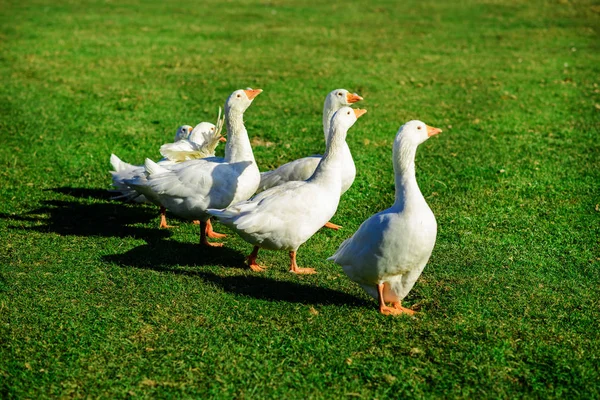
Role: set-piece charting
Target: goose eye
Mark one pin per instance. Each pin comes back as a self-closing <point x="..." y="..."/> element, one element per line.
<point x="238" y="95"/>
<point x="339" y="93"/>
<point x="418" y="127"/>
<point x="348" y="113"/>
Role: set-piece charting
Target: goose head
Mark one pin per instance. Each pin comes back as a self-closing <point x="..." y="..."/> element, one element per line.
<point x="183" y="132"/>
<point x="335" y="100"/>
<point x="241" y="99"/>
<point x="416" y="132"/>
<point x="341" y="98"/>
<point x="344" y="118"/>
<point x="202" y="133"/>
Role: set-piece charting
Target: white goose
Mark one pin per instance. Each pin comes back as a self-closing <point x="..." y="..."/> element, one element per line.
<point x="303" y="168"/>
<point x="190" y="143"/>
<point x="388" y="252"/>
<point x="286" y="216"/>
<point x="188" y="188"/>
<point x="123" y="171"/>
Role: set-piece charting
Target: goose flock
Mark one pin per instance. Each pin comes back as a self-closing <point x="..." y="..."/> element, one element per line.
<point x="283" y="208"/>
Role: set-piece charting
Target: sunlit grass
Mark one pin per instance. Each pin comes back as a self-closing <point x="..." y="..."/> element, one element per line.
<point x="96" y="301"/>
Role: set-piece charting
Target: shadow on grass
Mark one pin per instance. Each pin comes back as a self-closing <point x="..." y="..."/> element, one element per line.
<point x="165" y="255"/>
<point x="263" y="288"/>
<point x="83" y="193"/>
<point x="110" y="219"/>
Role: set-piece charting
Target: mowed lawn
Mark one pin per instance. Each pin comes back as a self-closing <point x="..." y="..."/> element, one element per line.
<point x="96" y="301"/>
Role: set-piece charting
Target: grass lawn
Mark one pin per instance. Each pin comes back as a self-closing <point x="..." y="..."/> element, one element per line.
<point x="96" y="301"/>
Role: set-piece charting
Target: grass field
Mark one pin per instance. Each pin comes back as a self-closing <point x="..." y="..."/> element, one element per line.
<point x="96" y="301"/>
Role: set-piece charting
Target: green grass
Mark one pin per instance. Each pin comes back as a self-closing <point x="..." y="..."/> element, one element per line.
<point x="96" y="302"/>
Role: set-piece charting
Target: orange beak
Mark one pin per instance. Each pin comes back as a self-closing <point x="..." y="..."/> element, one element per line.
<point x="222" y="139"/>
<point x="431" y="131"/>
<point x="358" y="112"/>
<point x="252" y="93"/>
<point x="353" y="98"/>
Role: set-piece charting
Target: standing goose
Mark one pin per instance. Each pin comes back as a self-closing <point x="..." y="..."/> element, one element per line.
<point x="388" y="252"/>
<point x="188" y="188"/>
<point x="286" y="216"/>
<point x="303" y="168"/>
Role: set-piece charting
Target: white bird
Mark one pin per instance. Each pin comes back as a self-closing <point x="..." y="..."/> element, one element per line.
<point x="123" y="170"/>
<point x="190" y="143"/>
<point x="200" y="143"/>
<point x="388" y="252"/>
<point x="189" y="188"/>
<point x="286" y="216"/>
<point x="303" y="168"/>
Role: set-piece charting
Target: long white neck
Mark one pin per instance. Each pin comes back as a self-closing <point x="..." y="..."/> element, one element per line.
<point x="238" y="147"/>
<point x="328" y="111"/>
<point x="330" y="166"/>
<point x="404" y="169"/>
<point x="330" y="107"/>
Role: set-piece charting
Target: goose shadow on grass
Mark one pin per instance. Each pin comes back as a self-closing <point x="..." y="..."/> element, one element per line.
<point x="264" y="288"/>
<point x="167" y="256"/>
<point x="81" y="218"/>
<point x="84" y="193"/>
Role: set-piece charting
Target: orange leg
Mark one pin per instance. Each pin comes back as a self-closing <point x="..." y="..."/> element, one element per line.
<point x="203" y="240"/>
<point x="333" y="226"/>
<point x="163" y="219"/>
<point x="252" y="261"/>
<point x="212" y="234"/>
<point x="294" y="267"/>
<point x="196" y="222"/>
<point x="384" y="309"/>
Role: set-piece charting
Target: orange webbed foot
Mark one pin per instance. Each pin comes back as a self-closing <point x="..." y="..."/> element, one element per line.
<point x="303" y="271"/>
<point x="215" y="235"/>
<point x="396" y="308"/>
<point x="333" y="226"/>
<point x="212" y="234"/>
<point x="297" y="270"/>
<point x="196" y="222"/>
<point x="385" y="310"/>
<point x="163" y="219"/>
<point x="163" y="223"/>
<point x="204" y="235"/>
<point x="403" y="310"/>
<point x="252" y="261"/>
<point x="255" y="267"/>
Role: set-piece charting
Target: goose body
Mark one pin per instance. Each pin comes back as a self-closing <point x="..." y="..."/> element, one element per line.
<point x="388" y="252"/>
<point x="286" y="216"/>
<point x="189" y="188"/>
<point x="122" y="170"/>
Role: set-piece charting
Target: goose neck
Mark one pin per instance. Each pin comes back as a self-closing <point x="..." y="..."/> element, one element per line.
<point x="331" y="163"/>
<point x="404" y="170"/>
<point x="328" y="112"/>
<point x="238" y="147"/>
